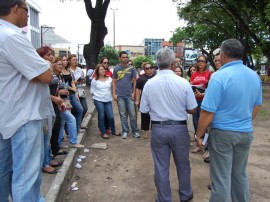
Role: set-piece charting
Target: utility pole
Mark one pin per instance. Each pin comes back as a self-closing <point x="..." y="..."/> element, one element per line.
<point x="78" y="53"/>
<point x="114" y="25"/>
<point x="46" y="28"/>
<point x="173" y="40"/>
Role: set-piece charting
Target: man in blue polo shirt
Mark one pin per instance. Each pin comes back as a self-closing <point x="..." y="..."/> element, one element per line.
<point x="232" y="101"/>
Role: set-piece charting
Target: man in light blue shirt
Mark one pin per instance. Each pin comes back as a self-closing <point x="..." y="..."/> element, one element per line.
<point x="25" y="103"/>
<point x="232" y="101"/>
<point x="168" y="99"/>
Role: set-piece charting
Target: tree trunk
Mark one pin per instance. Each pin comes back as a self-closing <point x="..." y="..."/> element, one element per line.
<point x="91" y="50"/>
<point x="98" y="30"/>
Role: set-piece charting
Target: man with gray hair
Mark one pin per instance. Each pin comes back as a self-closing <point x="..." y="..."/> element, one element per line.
<point x="168" y="99"/>
<point x="232" y="101"/>
<point x="25" y="103"/>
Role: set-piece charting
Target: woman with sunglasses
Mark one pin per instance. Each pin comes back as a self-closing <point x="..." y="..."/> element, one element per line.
<point x="201" y="78"/>
<point x="65" y="114"/>
<point x="53" y="123"/>
<point x="145" y="117"/>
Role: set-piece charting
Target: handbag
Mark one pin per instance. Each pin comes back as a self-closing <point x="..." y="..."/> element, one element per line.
<point x="81" y="93"/>
<point x="67" y="104"/>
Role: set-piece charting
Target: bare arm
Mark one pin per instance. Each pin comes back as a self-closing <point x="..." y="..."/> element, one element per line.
<point x="46" y="77"/>
<point x="114" y="90"/>
<point x="72" y="87"/>
<point x="192" y="111"/>
<point x="137" y="96"/>
<point x="255" y="112"/>
<point x="134" y="80"/>
<point x="204" y="121"/>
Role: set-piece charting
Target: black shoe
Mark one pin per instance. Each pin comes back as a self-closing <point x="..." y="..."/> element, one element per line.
<point x="209" y="187"/>
<point x="62" y="152"/>
<point x="189" y="199"/>
<point x="207" y="160"/>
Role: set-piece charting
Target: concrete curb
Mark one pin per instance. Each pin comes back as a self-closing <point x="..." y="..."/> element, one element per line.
<point x="58" y="186"/>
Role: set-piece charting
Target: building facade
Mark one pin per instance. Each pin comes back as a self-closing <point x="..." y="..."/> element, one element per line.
<point x="32" y="29"/>
<point x="133" y="51"/>
<point x="151" y="46"/>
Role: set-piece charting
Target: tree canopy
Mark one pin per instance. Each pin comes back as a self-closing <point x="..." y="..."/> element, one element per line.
<point x="211" y="22"/>
<point x="139" y="60"/>
<point x="109" y="52"/>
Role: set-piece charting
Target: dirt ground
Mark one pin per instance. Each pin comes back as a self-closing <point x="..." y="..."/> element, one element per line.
<point x="124" y="171"/>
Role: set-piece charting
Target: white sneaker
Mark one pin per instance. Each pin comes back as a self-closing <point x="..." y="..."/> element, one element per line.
<point x="136" y="135"/>
<point x="124" y="135"/>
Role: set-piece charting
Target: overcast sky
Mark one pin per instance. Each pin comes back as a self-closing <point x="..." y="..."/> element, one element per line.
<point x="134" y="19"/>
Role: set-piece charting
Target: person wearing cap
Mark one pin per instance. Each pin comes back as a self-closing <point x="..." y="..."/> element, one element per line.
<point x="25" y="104"/>
<point x="168" y="99"/>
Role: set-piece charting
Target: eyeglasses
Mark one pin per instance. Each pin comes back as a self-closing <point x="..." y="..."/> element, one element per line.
<point x="147" y="68"/>
<point x="201" y="61"/>
<point x="24" y="8"/>
<point x="105" y="62"/>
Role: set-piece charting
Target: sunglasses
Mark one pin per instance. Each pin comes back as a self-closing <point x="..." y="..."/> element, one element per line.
<point x="201" y="61"/>
<point x="147" y="68"/>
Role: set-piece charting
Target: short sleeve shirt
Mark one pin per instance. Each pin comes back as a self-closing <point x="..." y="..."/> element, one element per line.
<point x="232" y="93"/>
<point x="21" y="99"/>
<point x="124" y="77"/>
<point x="167" y="97"/>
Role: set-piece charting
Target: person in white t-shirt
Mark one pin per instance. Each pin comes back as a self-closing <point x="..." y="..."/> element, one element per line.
<point x="101" y="89"/>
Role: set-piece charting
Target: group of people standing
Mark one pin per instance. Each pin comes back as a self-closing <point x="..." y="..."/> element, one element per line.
<point x="69" y="106"/>
<point x="42" y="96"/>
<point x="165" y="98"/>
<point x="168" y="98"/>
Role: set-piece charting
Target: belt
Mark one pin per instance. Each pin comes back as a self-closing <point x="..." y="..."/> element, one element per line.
<point x="170" y="122"/>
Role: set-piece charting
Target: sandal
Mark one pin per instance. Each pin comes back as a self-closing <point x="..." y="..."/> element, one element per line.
<point x="55" y="163"/>
<point x="196" y="150"/>
<point x="62" y="152"/>
<point x="47" y="170"/>
<point x="105" y="136"/>
<point x="116" y="134"/>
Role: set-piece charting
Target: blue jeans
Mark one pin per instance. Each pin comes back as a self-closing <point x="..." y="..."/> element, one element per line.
<point x="21" y="157"/>
<point x="105" y="108"/>
<point x="77" y="110"/>
<point x="84" y="106"/>
<point x="47" y="144"/>
<point x="196" y="116"/>
<point x="126" y="105"/>
<point x="69" y="119"/>
<point x="228" y="156"/>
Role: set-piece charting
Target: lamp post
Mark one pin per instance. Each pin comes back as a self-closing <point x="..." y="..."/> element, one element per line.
<point x="78" y="53"/>
<point x="173" y="40"/>
<point x="46" y="28"/>
<point x="114" y="25"/>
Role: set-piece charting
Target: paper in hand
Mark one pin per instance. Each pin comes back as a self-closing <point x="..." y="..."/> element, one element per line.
<point x="205" y="139"/>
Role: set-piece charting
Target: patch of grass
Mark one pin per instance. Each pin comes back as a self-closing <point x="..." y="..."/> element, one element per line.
<point x="263" y="112"/>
